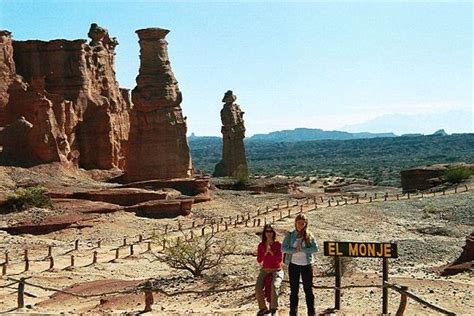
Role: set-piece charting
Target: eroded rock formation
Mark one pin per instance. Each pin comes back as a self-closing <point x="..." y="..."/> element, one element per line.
<point x="426" y="177"/>
<point x="234" y="162"/>
<point x="158" y="148"/>
<point x="68" y="92"/>
<point x="465" y="262"/>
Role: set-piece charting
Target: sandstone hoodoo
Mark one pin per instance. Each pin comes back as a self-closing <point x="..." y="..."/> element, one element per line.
<point x="158" y="148"/>
<point x="234" y="162"/>
<point x="67" y="91"/>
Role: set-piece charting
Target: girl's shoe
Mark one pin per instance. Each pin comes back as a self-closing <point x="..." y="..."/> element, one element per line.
<point x="273" y="312"/>
<point x="263" y="311"/>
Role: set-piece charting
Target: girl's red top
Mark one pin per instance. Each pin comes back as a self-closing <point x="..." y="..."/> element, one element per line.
<point x="270" y="261"/>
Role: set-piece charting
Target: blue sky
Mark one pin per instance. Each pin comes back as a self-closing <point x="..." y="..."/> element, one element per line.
<point x="291" y="64"/>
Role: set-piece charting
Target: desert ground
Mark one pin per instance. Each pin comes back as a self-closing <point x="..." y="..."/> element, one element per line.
<point x="430" y="231"/>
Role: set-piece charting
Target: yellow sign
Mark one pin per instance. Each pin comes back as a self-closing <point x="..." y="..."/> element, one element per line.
<point x="360" y="249"/>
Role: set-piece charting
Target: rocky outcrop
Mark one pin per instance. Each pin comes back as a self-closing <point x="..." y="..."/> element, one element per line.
<point x="158" y="148"/>
<point x="7" y="72"/>
<point x="126" y="196"/>
<point x="422" y="178"/>
<point x="197" y="188"/>
<point x="163" y="208"/>
<point x="465" y="262"/>
<point x="68" y="92"/>
<point x="234" y="162"/>
<point x="426" y="177"/>
<point x="50" y="224"/>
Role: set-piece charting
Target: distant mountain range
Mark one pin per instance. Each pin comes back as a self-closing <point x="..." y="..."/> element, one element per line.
<point x="456" y="120"/>
<point x="309" y="134"/>
<point x="304" y="134"/>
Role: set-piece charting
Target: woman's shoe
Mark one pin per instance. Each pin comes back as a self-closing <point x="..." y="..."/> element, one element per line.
<point x="273" y="312"/>
<point x="263" y="311"/>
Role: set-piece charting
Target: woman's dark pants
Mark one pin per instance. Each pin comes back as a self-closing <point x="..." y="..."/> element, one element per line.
<point x="306" y="272"/>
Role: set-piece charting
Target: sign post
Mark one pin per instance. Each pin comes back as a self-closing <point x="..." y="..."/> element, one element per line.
<point x="338" y="249"/>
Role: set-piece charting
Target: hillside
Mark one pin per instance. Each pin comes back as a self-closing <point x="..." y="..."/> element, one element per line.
<point x="378" y="159"/>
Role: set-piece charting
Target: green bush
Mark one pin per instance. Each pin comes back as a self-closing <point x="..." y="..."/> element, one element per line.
<point x="457" y="174"/>
<point x="25" y="198"/>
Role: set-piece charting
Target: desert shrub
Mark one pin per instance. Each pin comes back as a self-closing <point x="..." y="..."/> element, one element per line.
<point x="457" y="174"/>
<point x="198" y="255"/>
<point x="25" y="198"/>
<point x="347" y="266"/>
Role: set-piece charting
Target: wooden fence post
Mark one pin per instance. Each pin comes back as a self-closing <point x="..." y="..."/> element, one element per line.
<point x="148" y="297"/>
<point x="76" y="244"/>
<point x="94" y="257"/>
<point x="72" y="261"/>
<point x="50" y="250"/>
<point x="337" y="292"/>
<point x="27" y="261"/>
<point x="384" y="287"/>
<point x="99" y="242"/>
<point x="21" y="293"/>
<point x="6" y="257"/>
<point x="4" y="269"/>
<point x="131" y="250"/>
<point x="51" y="262"/>
<point x="149" y="245"/>
<point x="124" y="241"/>
<point x="403" y="302"/>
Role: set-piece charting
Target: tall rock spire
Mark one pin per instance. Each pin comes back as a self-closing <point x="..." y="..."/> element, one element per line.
<point x="158" y="148"/>
<point x="233" y="161"/>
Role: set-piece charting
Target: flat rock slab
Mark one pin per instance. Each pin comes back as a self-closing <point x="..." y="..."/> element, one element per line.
<point x="195" y="187"/>
<point x="90" y="288"/>
<point x="125" y="196"/>
<point x="162" y="209"/>
<point x="50" y="224"/>
<point x="85" y="206"/>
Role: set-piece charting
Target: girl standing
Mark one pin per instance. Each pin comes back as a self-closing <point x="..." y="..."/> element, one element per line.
<point x="299" y="246"/>
<point x="270" y="257"/>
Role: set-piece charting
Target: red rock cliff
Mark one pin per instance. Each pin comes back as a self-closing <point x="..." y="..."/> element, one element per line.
<point x="71" y="97"/>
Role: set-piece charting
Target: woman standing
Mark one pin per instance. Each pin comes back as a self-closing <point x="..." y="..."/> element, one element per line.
<point x="299" y="246"/>
<point x="270" y="257"/>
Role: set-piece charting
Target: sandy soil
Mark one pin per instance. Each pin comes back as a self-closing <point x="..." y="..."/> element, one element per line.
<point x="430" y="232"/>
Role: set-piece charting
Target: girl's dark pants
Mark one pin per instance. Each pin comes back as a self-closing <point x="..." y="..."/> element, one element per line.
<point x="306" y="272"/>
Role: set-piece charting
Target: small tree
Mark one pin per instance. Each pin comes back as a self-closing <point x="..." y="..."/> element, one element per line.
<point x="197" y="255"/>
<point x="457" y="174"/>
<point x="24" y="198"/>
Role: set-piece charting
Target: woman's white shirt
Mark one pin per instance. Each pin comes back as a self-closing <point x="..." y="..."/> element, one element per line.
<point x="299" y="258"/>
